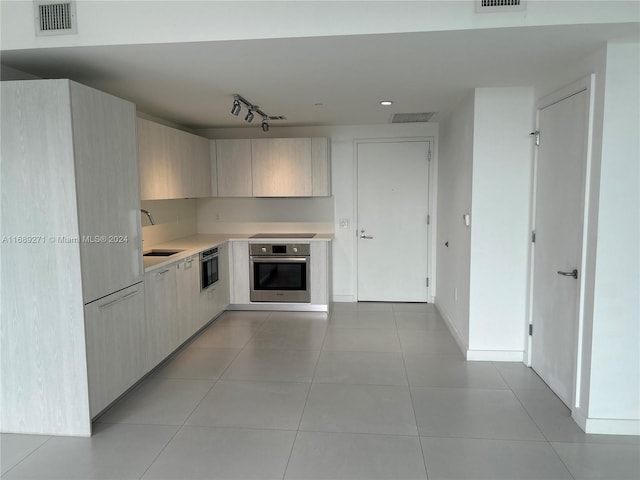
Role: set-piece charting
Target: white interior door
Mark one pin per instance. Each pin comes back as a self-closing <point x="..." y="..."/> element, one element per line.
<point x="558" y="243"/>
<point x="393" y="204"/>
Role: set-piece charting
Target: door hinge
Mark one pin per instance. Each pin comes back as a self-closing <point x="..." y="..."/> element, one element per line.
<point x="428" y="219"/>
<point x="531" y="329"/>
<point x="429" y="155"/>
<point x="427" y="281"/>
<point x="533" y="236"/>
<point x="537" y="135"/>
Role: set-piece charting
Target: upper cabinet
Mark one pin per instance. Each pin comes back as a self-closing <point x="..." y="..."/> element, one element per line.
<point x="272" y="167"/>
<point x="173" y="163"/>
<point x="281" y="167"/>
<point x="233" y="159"/>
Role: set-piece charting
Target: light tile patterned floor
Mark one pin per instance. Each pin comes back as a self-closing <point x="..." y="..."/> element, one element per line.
<point x="376" y="391"/>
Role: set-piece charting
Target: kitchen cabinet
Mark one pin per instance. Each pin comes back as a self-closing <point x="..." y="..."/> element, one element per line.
<point x="320" y="167"/>
<point x="153" y="160"/>
<point x="213" y="168"/>
<point x="161" y="311"/>
<point x="215" y="299"/>
<point x="188" y="297"/>
<point x="281" y="167"/>
<point x="115" y="333"/>
<point x="71" y="216"/>
<point x="233" y="160"/>
<point x="320" y="268"/>
<point x="173" y="163"/>
<point x="239" y="275"/>
<point x="271" y="167"/>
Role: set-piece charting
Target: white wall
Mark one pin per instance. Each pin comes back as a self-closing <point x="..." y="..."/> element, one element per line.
<point x="615" y="352"/>
<point x="343" y="181"/>
<point x="454" y="199"/>
<point x="138" y="22"/>
<point x="267" y="215"/>
<point x="173" y="219"/>
<point x="502" y="161"/>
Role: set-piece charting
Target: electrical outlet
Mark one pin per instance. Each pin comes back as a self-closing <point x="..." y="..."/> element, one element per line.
<point x="455" y="294"/>
<point x="344" y="223"/>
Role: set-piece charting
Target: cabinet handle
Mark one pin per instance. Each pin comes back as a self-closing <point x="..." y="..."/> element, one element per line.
<point x="159" y="274"/>
<point x="113" y="302"/>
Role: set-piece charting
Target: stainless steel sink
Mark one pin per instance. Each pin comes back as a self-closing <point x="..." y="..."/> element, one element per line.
<point x="161" y="253"/>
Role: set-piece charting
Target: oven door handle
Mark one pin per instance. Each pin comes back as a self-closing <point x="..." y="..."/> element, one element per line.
<point x="279" y="259"/>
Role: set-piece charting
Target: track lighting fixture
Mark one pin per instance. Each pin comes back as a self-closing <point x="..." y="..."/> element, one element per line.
<point x="252" y="109"/>
<point x="236" y="106"/>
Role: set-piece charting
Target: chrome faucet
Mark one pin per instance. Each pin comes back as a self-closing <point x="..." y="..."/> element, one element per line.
<point x="146" y="212"/>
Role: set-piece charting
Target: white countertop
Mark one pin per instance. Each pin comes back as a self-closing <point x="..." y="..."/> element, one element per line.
<point x="195" y="244"/>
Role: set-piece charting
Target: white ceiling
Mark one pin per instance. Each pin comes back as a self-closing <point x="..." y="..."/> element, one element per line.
<point x="192" y="83"/>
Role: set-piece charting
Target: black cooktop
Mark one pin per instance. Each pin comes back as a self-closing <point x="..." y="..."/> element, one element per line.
<point x="283" y="235"/>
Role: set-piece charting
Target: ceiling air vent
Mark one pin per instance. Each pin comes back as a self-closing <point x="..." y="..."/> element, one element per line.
<point x="487" y="6"/>
<point x="412" y="117"/>
<point x="55" y="17"/>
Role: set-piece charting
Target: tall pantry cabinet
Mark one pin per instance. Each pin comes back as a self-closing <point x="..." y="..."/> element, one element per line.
<point x="72" y="299"/>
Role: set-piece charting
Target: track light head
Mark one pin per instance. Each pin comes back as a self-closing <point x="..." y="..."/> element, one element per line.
<point x="236" y="107"/>
<point x="265" y="124"/>
<point x="249" y="117"/>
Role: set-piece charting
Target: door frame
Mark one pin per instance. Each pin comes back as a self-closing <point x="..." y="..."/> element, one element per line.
<point x="586" y="84"/>
<point x="431" y="207"/>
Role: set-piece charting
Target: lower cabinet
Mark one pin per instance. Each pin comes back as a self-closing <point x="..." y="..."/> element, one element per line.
<point x="176" y="308"/>
<point x="161" y="314"/>
<point x="115" y="330"/>
<point x="239" y="279"/>
<point x="188" y="297"/>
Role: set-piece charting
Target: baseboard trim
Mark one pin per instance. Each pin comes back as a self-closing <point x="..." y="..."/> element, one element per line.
<point x="608" y="426"/>
<point x="280" y="307"/>
<point x="344" y="298"/>
<point x="451" y="327"/>
<point x="495" y="355"/>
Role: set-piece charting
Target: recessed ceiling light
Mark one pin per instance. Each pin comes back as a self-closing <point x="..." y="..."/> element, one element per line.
<point x="386" y="103"/>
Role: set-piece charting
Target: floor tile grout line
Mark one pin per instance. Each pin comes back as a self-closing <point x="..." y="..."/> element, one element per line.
<point x="179" y="427"/>
<point x="415" y="416"/>
<point x="26" y="456"/>
<point x="306" y="399"/>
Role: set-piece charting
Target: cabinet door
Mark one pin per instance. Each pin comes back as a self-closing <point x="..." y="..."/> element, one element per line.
<point x="161" y="313"/>
<point x="152" y="158"/>
<point x="281" y="167"/>
<point x="233" y="159"/>
<point x="320" y="280"/>
<point x="179" y="154"/>
<point x="201" y="168"/>
<point x="115" y="331"/>
<point x="104" y="141"/>
<point x="213" y="162"/>
<point x="223" y="286"/>
<point x="239" y="273"/>
<point x="188" y="293"/>
<point x="321" y="167"/>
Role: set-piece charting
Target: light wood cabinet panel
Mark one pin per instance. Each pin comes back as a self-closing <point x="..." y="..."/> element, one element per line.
<point x="233" y="159"/>
<point x="152" y="158"/>
<point x="281" y="167"/>
<point x="201" y="169"/>
<point x="115" y="331"/>
<point x="320" y="167"/>
<point x="161" y="312"/>
<point x="213" y="168"/>
<point x="320" y="281"/>
<point x="173" y="163"/>
<point x="239" y="274"/>
<point x="42" y="347"/>
<point x="188" y="293"/>
<point x="107" y="188"/>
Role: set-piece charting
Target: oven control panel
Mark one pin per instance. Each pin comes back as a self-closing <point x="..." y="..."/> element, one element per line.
<point x="277" y="249"/>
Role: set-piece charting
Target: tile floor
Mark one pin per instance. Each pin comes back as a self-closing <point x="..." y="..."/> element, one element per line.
<point x="376" y="391"/>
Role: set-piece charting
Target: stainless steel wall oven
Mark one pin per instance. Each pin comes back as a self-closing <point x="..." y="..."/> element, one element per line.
<point x="208" y="268"/>
<point x="279" y="272"/>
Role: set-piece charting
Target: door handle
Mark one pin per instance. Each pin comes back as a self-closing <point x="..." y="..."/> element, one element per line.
<point x="365" y="237"/>
<point x="573" y="273"/>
